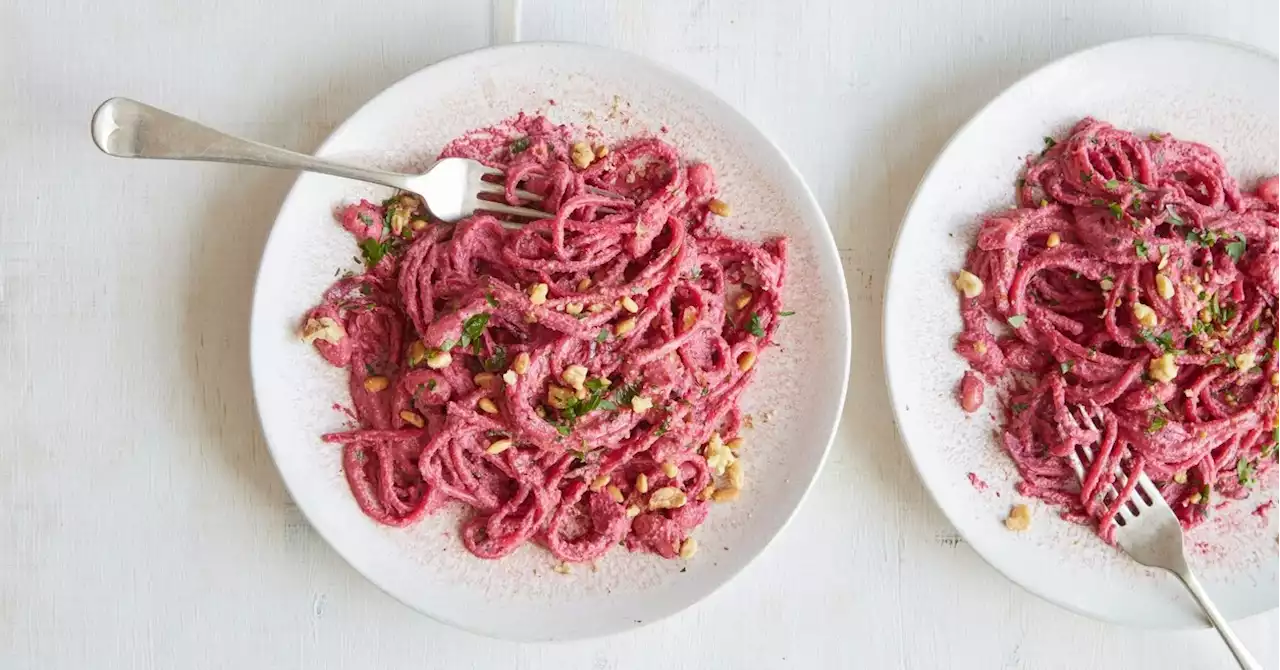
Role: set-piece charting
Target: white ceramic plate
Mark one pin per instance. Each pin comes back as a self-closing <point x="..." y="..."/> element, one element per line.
<point x="1210" y="91"/>
<point x="801" y="385"/>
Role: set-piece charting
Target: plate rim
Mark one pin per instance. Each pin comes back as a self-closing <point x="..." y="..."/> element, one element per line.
<point x="824" y="243"/>
<point x="979" y="548"/>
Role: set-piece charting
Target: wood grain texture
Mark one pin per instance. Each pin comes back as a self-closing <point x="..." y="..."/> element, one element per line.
<point x="144" y="524"/>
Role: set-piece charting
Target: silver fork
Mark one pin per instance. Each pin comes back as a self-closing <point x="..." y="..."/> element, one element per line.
<point x="1147" y="530"/>
<point x="451" y="187"/>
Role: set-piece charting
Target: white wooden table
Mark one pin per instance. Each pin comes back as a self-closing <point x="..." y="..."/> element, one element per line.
<point x="142" y="524"/>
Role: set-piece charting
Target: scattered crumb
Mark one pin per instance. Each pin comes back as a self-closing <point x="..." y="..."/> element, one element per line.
<point x="748" y="422"/>
<point x="1019" y="518"/>
<point x="562" y="568"/>
<point x="977" y="482"/>
<point x="767" y="415"/>
<point x="1261" y="510"/>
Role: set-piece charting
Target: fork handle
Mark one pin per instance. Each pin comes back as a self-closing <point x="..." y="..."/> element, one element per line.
<point x="1243" y="657"/>
<point x="129" y="129"/>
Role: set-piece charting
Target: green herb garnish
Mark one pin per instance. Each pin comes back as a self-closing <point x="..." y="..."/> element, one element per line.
<point x="1116" y="210"/>
<point x="753" y="325"/>
<point x="1017" y="320"/>
<point x="519" y="145"/>
<point x="786" y="314"/>
<point x="373" y="251"/>
<point x="1140" y="247"/>
<point x="472" y="328"/>
<point x="1111" y="185"/>
<point x="1236" y="249"/>
<point x="1066" y="366"/>
<point x="496" y="362"/>
<point x="1245" y="472"/>
<point x="493" y="302"/>
<point x="1157" y="424"/>
<point x="1019" y="407"/>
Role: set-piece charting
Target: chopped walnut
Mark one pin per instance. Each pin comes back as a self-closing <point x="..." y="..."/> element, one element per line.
<point x="323" y="328"/>
<point x="1019" y="518"/>
<point x="667" y="497"/>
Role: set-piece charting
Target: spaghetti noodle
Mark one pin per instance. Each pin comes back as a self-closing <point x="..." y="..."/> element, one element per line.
<point x="573" y="382"/>
<point x="1137" y="279"/>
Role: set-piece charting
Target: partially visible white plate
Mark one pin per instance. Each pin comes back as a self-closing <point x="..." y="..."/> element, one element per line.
<point x="796" y="401"/>
<point x="1210" y="91"/>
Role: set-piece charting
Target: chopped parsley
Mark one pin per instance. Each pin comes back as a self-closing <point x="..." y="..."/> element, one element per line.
<point x="1020" y="407"/>
<point x="1140" y="247"/>
<point x="1111" y="185"/>
<point x="786" y="314"/>
<point x="1137" y="184"/>
<point x="1173" y="217"/>
<point x="579" y="407"/>
<point x="519" y="145"/>
<point x="1245" y="472"/>
<point x="1165" y="340"/>
<point x="622" y="397"/>
<point x="753" y="325"/>
<point x="602" y="336"/>
<point x="1066" y="366"/>
<point x="493" y="302"/>
<point x="1049" y="143"/>
<point x="496" y="362"/>
<point x="1085" y="177"/>
<point x="1271" y="449"/>
<point x="1157" y="424"/>
<point x="1116" y="210"/>
<point x="1236" y="249"/>
<point x="1205" y="238"/>
<point x="472" y="328"/>
<point x="431" y="384"/>
<point x="373" y="251"/>
<point x="1017" y="320"/>
<point x="1099" y="202"/>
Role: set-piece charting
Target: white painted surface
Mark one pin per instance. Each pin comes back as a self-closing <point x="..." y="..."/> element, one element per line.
<point x="143" y="523"/>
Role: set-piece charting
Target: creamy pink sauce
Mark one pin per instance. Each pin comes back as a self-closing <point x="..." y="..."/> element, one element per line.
<point x="1136" y="279"/>
<point x="642" y="293"/>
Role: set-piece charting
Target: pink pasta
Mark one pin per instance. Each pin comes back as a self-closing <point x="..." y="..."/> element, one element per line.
<point x="572" y="382"/>
<point x="1134" y="274"/>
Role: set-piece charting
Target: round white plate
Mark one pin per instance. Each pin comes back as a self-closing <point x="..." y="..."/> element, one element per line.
<point x="1210" y="91"/>
<point x="795" y="402"/>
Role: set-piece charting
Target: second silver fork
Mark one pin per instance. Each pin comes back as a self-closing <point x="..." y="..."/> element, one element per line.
<point x="1149" y="531"/>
